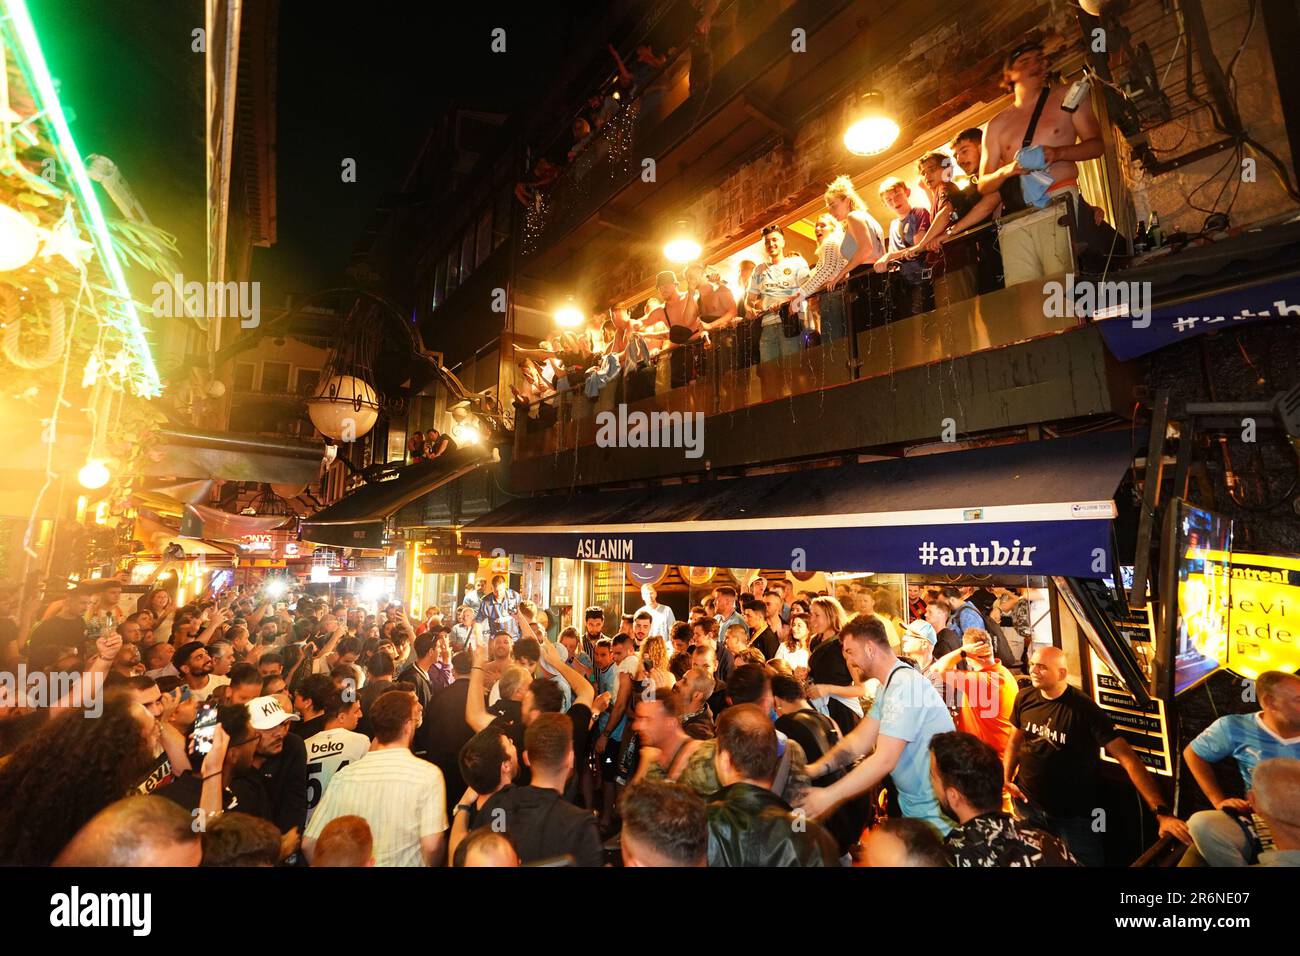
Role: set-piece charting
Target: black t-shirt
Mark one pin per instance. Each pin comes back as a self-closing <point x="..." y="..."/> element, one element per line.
<point x="513" y="727"/>
<point x="245" y="794"/>
<point x="58" y="631"/>
<point x="1060" y="753"/>
<point x="826" y="664"/>
<point x="307" y="728"/>
<point x="544" y="825"/>
<point x="767" y="642"/>
<point x="949" y="641"/>
<point x="284" y="778"/>
<point x="963" y="200"/>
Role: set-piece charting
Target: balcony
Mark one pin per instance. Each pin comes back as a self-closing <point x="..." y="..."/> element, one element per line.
<point x="966" y="357"/>
<point x="695" y="128"/>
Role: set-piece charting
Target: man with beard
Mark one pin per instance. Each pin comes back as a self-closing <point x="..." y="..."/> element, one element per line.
<point x="966" y="774"/>
<point x="488" y="763"/>
<point x="194" y="665"/>
<point x="280" y="761"/>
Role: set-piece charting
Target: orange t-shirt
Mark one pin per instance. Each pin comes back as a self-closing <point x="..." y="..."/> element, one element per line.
<point x="983" y="700"/>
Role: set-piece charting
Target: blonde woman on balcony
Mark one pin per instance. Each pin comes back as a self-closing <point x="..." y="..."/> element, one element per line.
<point x="858" y="241"/>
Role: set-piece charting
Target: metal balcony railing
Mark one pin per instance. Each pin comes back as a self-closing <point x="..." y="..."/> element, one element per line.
<point x="874" y="326"/>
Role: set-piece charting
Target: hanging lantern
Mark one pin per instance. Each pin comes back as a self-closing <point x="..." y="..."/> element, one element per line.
<point x="872" y="130"/>
<point x="682" y="246"/>
<point x="18" y="239"/>
<point x="93" y="474"/>
<point x="344" y="408"/>
<point x="568" y="315"/>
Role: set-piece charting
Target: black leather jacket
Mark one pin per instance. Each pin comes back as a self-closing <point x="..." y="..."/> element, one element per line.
<point x="752" y="826"/>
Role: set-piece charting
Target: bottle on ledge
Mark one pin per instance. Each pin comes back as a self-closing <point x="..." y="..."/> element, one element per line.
<point x="1141" y="242"/>
<point x="1155" y="235"/>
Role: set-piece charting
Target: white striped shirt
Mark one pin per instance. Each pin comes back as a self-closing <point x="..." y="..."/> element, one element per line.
<point x="402" y="797"/>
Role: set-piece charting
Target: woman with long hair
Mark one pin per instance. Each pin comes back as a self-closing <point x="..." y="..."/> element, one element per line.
<point x="858" y="241"/>
<point x="833" y="688"/>
<point x="65" y="773"/>
<point x="794" y="649"/>
<point x="654" y="664"/>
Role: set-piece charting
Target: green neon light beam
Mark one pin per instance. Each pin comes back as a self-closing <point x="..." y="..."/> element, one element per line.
<point x="47" y="100"/>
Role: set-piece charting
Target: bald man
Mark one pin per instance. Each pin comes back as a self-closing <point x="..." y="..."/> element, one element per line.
<point x="1276" y="798"/>
<point x="136" y="831"/>
<point x="485" y="847"/>
<point x="1052" y="760"/>
<point x="904" y="841"/>
<point x="1249" y="739"/>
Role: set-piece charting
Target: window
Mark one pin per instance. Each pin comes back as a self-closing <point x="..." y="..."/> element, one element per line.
<point x="440" y="284"/>
<point x="466" y="253"/>
<point x="243" y="379"/>
<point x="308" y="379"/>
<point x="501" y="219"/>
<point x="453" y="269"/>
<point x="275" y="376"/>
<point x="483" y="244"/>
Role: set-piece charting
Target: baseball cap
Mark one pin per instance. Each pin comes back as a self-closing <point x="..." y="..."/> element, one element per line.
<point x="267" y="713"/>
<point x="923" y="629"/>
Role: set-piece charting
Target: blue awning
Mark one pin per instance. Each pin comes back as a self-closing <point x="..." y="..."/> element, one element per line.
<point x="1035" y="508"/>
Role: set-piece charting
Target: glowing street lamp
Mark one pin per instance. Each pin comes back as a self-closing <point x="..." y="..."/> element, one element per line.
<point x="569" y="316"/>
<point x="93" y="474"/>
<point x="872" y="130"/>
<point x="682" y="247"/>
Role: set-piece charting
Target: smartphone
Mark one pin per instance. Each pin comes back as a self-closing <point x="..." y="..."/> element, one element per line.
<point x="205" y="727"/>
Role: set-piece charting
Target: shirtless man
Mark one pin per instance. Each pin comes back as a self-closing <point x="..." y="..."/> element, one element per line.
<point x="681" y="314"/>
<point x="676" y="311"/>
<point x="1033" y="246"/>
<point x="715" y="303"/>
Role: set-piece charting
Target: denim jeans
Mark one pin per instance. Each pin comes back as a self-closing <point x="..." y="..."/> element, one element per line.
<point x="1077" y="832"/>
<point x="834" y="316"/>
<point x="773" y="344"/>
<point x="1220" y="839"/>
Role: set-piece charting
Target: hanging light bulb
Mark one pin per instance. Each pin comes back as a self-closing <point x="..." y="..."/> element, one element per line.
<point x="569" y="315"/>
<point x="872" y="130"/>
<point x="18" y="239"/>
<point x="93" y="474"/>
<point x="682" y="247"/>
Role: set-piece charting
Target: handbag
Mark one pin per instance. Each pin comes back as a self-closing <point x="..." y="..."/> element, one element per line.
<point x="791" y="324"/>
<point x="1013" y="198"/>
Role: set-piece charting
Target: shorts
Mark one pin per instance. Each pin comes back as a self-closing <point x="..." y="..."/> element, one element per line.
<point x="1036" y="245"/>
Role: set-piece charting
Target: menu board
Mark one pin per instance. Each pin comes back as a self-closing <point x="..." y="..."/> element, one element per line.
<point x="1142" y="725"/>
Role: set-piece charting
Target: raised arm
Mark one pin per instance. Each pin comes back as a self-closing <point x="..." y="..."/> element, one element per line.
<point x="476" y="712"/>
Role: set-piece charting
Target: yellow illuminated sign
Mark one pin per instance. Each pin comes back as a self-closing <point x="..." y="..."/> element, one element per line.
<point x="1263" y="611"/>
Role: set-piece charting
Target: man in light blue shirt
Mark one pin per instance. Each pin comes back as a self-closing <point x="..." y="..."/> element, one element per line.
<point x="1273" y="732"/>
<point x="896" y="733"/>
<point x="662" y="617"/>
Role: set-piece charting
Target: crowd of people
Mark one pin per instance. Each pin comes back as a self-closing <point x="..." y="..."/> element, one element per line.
<point x="761" y="313"/>
<point x="767" y="728"/>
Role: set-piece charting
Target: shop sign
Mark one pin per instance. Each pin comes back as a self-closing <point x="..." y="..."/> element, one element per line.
<point x="257" y="543"/>
<point x="562" y="582"/>
<point x="1142" y="725"/>
<point x="448" y="564"/>
<point x="1263" y="611"/>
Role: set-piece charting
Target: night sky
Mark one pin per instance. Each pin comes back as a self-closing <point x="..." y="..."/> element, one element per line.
<point x="364" y="81"/>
